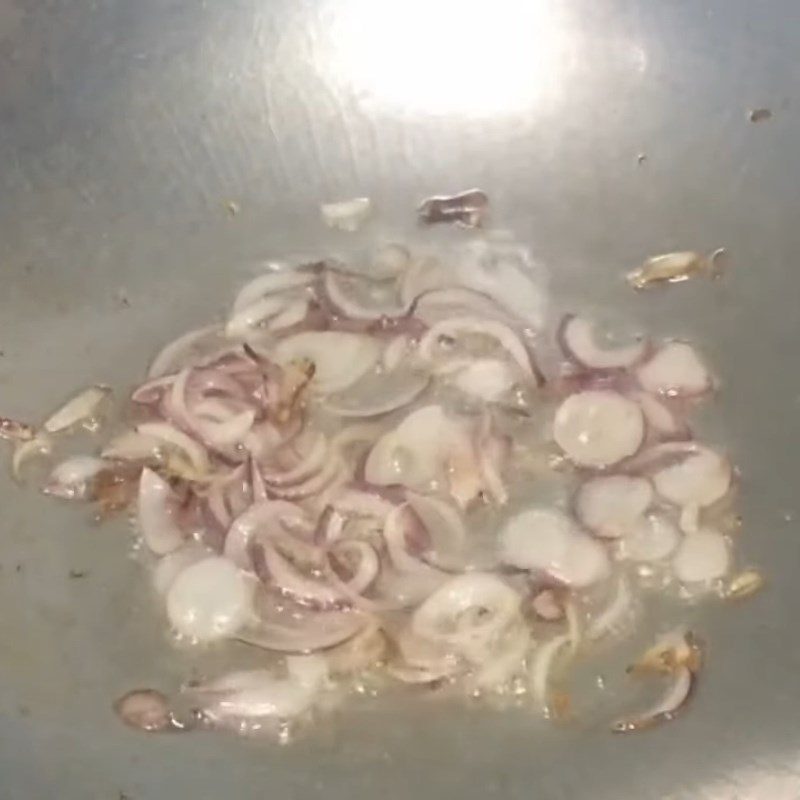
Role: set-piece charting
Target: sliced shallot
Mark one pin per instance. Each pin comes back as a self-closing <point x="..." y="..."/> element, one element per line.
<point x="652" y="538"/>
<point x="662" y="420"/>
<point x="81" y="408"/>
<point x="72" y="479"/>
<point x="467" y="612"/>
<point x="697" y="475"/>
<point x="547" y="540"/>
<point x="541" y="668"/>
<point x="271" y="283"/>
<point x="614" y="617"/>
<point x="673" y="700"/>
<point x="414" y="452"/>
<point x="485" y="378"/>
<point x="578" y="339"/>
<point x="598" y="428"/>
<point x="172" y="564"/>
<point x="611" y="505"/>
<point x="243" y="322"/>
<point x="339" y="358"/>
<point x="674" y="370"/>
<point x="458" y="326"/>
<point x="702" y="557"/>
<point x="169" y="436"/>
<point x="389" y="391"/>
<point x="678" y="655"/>
<point x="259" y="522"/>
<point x="253" y="694"/>
<point x="445" y="529"/>
<point x="157" y="514"/>
<point x="211" y="599"/>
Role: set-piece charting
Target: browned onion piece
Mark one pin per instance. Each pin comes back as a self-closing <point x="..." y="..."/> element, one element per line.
<point x="679" y="655"/>
<point x="678" y="693"/>
<point x="466" y="209"/>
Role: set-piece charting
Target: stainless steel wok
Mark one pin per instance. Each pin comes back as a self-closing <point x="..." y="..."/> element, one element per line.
<point x="603" y="130"/>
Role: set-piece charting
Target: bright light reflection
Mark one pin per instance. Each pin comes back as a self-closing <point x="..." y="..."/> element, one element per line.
<point x="442" y="56"/>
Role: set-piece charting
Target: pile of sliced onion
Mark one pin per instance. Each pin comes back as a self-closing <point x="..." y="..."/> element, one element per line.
<point x="347" y="474"/>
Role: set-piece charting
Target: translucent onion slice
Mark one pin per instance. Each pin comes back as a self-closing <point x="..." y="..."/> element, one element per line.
<point x="466" y="611"/>
<point x="81" y="408"/>
<point x="457" y="326"/>
<point x="547" y="540"/>
<point x="541" y="668"/>
<point x="445" y="528"/>
<point x="310" y="464"/>
<point x="434" y="305"/>
<point x="675" y="370"/>
<point x="485" y="378"/>
<point x="243" y="322"/>
<point x="294" y="313"/>
<point x="395" y="352"/>
<point x="611" y="505"/>
<point x="157" y="510"/>
<point x="379" y="394"/>
<point x="258" y="523"/>
<point x="168" y="435"/>
<point x="132" y="446"/>
<point x="209" y="600"/>
<point x="616" y="615"/>
<point x="413" y="453"/>
<point x="339" y="358"/>
<point x="661" y="419"/>
<point x="287" y="627"/>
<point x="255" y="694"/>
<point x="702" y="557"/>
<point x="25" y="450"/>
<point x="653" y="538"/>
<point x="171" y="565"/>
<point x="72" y="479"/>
<point x="271" y="283"/>
<point x="598" y="428"/>
<point x="284" y="575"/>
<point x="579" y="341"/>
<point x="353" y="308"/>
<point x="697" y="477"/>
<point x="175" y="354"/>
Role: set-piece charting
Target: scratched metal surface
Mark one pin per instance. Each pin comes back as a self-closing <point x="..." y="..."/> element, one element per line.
<point x="125" y="128"/>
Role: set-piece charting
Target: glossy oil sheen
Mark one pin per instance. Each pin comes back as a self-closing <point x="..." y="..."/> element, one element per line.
<point x="152" y="151"/>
